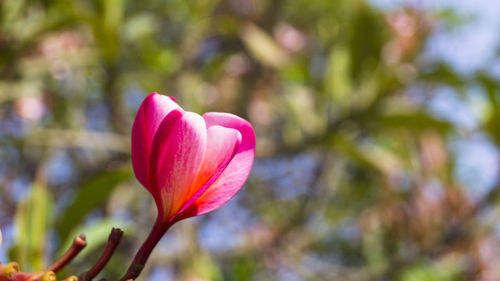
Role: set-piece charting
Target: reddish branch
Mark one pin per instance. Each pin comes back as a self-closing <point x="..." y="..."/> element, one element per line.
<point x="113" y="241"/>
<point x="78" y="244"/>
<point x="144" y="252"/>
<point x="11" y="271"/>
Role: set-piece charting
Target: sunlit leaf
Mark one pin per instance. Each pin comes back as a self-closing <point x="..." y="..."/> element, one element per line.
<point x="262" y="46"/>
<point x="93" y="194"/>
<point x="337" y="78"/>
<point x="96" y="235"/>
<point x="33" y="219"/>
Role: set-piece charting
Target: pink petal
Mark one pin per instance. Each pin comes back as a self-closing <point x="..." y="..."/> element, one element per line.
<point x="222" y="145"/>
<point x="151" y="113"/>
<point x="233" y="176"/>
<point x="178" y="150"/>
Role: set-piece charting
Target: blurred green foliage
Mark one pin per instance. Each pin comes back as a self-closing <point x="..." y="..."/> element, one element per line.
<point x="355" y="179"/>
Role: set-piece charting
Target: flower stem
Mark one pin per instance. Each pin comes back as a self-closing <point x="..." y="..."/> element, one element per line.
<point x="135" y="268"/>
<point x="113" y="241"/>
<point x="78" y="244"/>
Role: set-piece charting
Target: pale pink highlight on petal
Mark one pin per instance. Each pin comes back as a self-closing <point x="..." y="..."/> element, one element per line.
<point x="222" y="145"/>
<point x="176" y="160"/>
<point x="234" y="175"/>
<point x="149" y="117"/>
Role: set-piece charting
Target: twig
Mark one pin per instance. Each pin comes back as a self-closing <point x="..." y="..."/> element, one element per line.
<point x="137" y="265"/>
<point x="113" y="241"/>
<point x="78" y="244"/>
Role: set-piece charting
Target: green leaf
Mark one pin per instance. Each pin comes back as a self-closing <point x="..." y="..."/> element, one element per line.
<point x="492" y="126"/>
<point x="262" y="46"/>
<point x="93" y="194"/>
<point x="415" y="121"/>
<point x="444" y="270"/>
<point x="32" y="221"/>
<point x="365" y="47"/>
<point x="96" y="235"/>
<point x="337" y="78"/>
<point x="372" y="155"/>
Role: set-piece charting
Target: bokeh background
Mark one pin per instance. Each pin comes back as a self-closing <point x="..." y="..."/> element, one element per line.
<point x="377" y="122"/>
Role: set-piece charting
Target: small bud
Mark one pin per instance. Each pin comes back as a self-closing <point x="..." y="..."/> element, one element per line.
<point x="71" y="278"/>
<point x="9" y="269"/>
<point x="80" y="240"/>
<point x="49" y="276"/>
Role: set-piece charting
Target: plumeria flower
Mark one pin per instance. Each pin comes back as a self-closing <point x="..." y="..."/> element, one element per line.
<point x="190" y="164"/>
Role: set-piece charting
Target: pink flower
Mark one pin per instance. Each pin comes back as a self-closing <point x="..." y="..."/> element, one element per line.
<point x="191" y="164"/>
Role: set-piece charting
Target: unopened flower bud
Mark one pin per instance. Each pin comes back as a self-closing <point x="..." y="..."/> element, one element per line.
<point x="49" y="276"/>
<point x="9" y="269"/>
